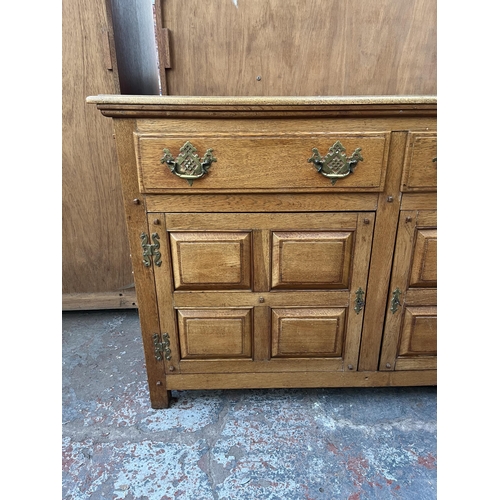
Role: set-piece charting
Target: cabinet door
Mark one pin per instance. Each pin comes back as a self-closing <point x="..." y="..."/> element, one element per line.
<point x="264" y="291"/>
<point x="410" y="335"/>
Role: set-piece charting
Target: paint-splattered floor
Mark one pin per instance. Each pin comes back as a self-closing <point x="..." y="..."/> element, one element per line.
<point x="345" y="444"/>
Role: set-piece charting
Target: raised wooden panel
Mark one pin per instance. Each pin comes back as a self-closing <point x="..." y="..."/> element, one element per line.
<point x="211" y="260"/>
<point x="419" y="332"/>
<point x="302" y="260"/>
<point x="263" y="161"/>
<point x="424" y="266"/>
<point x="420" y="164"/>
<point x="215" y="333"/>
<point x="308" y="332"/>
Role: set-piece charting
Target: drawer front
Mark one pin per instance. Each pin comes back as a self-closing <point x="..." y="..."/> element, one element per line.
<point x="263" y="162"/>
<point x="420" y="165"/>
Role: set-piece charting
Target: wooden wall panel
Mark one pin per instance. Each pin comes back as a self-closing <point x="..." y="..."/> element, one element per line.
<point x="95" y="250"/>
<point x="292" y="47"/>
<point x="215" y="47"/>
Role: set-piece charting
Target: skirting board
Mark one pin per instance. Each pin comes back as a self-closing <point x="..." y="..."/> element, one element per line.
<point x="100" y="300"/>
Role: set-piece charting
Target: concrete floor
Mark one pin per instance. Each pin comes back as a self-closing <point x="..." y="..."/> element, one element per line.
<point x="345" y="444"/>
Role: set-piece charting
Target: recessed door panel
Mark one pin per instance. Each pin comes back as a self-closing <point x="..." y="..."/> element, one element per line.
<point x="216" y="333"/>
<point x="318" y="260"/>
<point x="308" y="332"/>
<point x="211" y="260"/>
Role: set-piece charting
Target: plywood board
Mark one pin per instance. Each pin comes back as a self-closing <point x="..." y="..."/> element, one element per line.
<point x="292" y="47"/>
<point x="95" y="249"/>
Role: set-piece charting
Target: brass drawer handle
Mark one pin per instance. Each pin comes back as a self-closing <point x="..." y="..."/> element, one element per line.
<point x="188" y="164"/>
<point x="335" y="165"/>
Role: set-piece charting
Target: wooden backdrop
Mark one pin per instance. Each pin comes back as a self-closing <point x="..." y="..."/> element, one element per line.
<point x="96" y="266"/>
<point x="213" y="47"/>
<point x="297" y="47"/>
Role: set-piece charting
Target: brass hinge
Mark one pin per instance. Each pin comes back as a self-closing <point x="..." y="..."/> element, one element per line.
<point x="162" y="348"/>
<point x="359" y="303"/>
<point x="150" y="249"/>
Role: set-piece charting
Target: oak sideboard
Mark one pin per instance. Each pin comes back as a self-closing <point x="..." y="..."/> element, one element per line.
<point x="281" y="241"/>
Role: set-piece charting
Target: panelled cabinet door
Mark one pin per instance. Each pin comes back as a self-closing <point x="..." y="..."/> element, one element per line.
<point x="410" y="335"/>
<point x="259" y="291"/>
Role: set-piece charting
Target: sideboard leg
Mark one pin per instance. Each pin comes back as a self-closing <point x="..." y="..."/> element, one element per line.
<point x="161" y="400"/>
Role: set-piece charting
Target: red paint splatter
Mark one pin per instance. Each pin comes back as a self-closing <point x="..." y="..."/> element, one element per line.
<point x="354" y="496"/>
<point x="428" y="462"/>
<point x="358" y="466"/>
<point x="331" y="447"/>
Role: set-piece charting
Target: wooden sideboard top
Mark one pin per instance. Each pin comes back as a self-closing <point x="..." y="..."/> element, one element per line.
<point x="143" y="105"/>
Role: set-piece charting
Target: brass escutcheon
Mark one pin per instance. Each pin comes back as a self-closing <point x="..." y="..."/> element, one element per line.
<point x="395" y="303"/>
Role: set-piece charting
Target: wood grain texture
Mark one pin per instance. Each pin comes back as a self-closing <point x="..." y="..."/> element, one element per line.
<point x="126" y="299"/>
<point x="317" y="260"/>
<point x="144" y="277"/>
<point x="307" y="328"/>
<point x="335" y="298"/>
<point x="411" y="331"/>
<point x="420" y="166"/>
<point x="164" y="284"/>
<point x="271" y="47"/>
<point x="272" y="221"/>
<point x="414" y="201"/>
<point x="382" y="252"/>
<point x="398" y="108"/>
<point x="211" y="260"/>
<point x="260" y="161"/>
<point x="419" y="333"/>
<point x="301" y="379"/>
<point x="261" y="202"/>
<point x="424" y="265"/>
<point x="215" y="333"/>
<point x="95" y="252"/>
<point x="308" y="332"/>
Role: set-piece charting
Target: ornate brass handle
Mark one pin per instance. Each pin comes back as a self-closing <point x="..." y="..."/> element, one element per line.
<point x="188" y="165"/>
<point x="335" y="165"/>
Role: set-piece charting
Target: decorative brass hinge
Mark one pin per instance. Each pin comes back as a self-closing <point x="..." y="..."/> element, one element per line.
<point x="395" y="303"/>
<point x="162" y="348"/>
<point x="150" y="250"/>
<point x="359" y="303"/>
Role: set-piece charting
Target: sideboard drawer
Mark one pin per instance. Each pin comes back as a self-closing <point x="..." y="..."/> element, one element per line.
<point x="262" y="162"/>
<point x="420" y="164"/>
